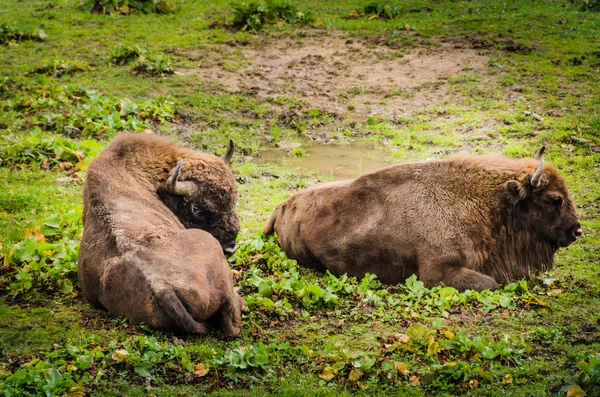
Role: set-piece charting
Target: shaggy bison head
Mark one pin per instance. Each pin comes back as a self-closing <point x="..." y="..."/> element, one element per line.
<point x="204" y="197"/>
<point x="543" y="204"/>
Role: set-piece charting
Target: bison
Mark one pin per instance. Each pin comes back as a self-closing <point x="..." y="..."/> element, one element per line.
<point x="466" y="222"/>
<point x="158" y="220"/>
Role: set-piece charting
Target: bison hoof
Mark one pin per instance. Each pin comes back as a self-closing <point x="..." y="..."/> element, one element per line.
<point x="486" y="282"/>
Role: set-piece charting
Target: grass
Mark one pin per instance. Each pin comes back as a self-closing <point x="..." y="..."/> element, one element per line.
<point x="66" y="90"/>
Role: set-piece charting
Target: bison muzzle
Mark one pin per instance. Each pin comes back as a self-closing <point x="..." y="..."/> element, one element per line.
<point x="466" y="222"/>
<point x="157" y="220"/>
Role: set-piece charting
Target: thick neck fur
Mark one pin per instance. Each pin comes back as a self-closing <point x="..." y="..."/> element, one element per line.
<point x="518" y="253"/>
<point x="513" y="250"/>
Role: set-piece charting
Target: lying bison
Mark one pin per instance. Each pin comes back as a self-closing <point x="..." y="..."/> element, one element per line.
<point x="157" y="220"/>
<point x="466" y="222"/>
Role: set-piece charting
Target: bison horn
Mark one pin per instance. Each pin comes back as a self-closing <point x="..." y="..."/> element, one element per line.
<point x="179" y="188"/>
<point x="227" y="156"/>
<point x="535" y="179"/>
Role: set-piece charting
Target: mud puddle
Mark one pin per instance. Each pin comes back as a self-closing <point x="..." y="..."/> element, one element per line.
<point x="338" y="162"/>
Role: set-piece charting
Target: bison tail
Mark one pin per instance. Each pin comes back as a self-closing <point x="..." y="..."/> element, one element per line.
<point x="270" y="225"/>
<point x="176" y="311"/>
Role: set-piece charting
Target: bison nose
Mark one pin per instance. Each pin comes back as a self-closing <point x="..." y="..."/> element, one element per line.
<point x="577" y="232"/>
<point x="229" y="248"/>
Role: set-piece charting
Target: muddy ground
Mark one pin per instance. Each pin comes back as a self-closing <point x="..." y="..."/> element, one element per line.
<point x="342" y="74"/>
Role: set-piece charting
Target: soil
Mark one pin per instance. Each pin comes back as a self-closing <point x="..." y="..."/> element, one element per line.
<point x="336" y="73"/>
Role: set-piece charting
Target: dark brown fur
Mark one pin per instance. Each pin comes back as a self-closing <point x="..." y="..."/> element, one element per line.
<point x="137" y="259"/>
<point x="466" y="222"/>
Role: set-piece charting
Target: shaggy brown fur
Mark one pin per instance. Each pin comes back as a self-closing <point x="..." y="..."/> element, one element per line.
<point x="466" y="222"/>
<point x="137" y="259"/>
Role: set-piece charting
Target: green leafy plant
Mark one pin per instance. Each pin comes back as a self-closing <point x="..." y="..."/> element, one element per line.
<point x="46" y="259"/>
<point x="82" y="111"/>
<point x="60" y="67"/>
<point x="589" y="376"/>
<point x="19" y="33"/>
<point x="377" y="10"/>
<point x="254" y="16"/>
<point x="587" y="5"/>
<point x="271" y="274"/>
<point x="128" y="6"/>
<point x="154" y="65"/>
<point x="39" y="148"/>
<point x="297" y="152"/>
<point x="123" y="55"/>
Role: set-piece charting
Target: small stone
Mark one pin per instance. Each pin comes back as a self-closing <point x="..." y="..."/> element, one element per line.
<point x="64" y="181"/>
<point x="288" y="145"/>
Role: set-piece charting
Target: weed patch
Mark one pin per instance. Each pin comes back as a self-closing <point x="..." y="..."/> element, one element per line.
<point x="48" y="152"/>
<point x="123" y="55"/>
<point x="46" y="259"/>
<point x="279" y="288"/>
<point x="255" y="16"/>
<point x="128" y="6"/>
<point x="18" y="33"/>
<point x="154" y="65"/>
<point x="60" y="67"/>
<point x="377" y="10"/>
<point x="82" y="111"/>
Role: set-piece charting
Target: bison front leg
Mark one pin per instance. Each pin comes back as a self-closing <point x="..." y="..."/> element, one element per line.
<point x="459" y="277"/>
<point x="230" y="316"/>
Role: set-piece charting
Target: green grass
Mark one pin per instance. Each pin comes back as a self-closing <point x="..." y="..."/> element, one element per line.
<point x="64" y="97"/>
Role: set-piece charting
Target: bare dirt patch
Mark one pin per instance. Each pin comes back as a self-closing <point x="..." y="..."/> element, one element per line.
<point x="337" y="73"/>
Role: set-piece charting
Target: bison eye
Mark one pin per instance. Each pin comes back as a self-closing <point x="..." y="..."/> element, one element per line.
<point x="199" y="216"/>
<point x="558" y="201"/>
<point x="555" y="201"/>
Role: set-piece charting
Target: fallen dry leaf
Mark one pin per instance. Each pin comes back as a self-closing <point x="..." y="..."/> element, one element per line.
<point x="120" y="355"/>
<point x="414" y="381"/>
<point x="432" y="346"/>
<point x="327" y="374"/>
<point x="201" y="370"/>
<point x="473" y="384"/>
<point x="355" y="374"/>
<point x="576" y="391"/>
<point x="401" y="368"/>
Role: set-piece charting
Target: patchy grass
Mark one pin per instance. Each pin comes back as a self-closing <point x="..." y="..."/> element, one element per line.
<point x="64" y="97"/>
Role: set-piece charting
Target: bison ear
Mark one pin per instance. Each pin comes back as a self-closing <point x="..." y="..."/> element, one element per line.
<point x="516" y="190"/>
<point x="227" y="156"/>
<point x="176" y="187"/>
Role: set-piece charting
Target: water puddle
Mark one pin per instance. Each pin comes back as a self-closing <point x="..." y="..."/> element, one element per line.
<point x="339" y="162"/>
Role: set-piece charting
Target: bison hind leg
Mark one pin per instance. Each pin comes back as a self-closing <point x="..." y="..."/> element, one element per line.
<point x="176" y="311"/>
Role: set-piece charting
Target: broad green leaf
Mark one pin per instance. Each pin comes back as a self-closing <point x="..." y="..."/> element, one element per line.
<point x="338" y="366"/>
<point x="52" y="377"/>
<point x="53" y="222"/>
<point x="84" y="361"/>
<point x="505" y="301"/>
<point x="264" y="289"/>
<point x="143" y="370"/>
<point x="65" y="286"/>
